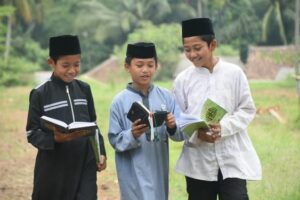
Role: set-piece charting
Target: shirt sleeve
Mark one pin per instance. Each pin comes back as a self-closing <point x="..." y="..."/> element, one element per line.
<point x="179" y="95"/>
<point x="120" y="138"/>
<point x="175" y="134"/>
<point x="244" y="111"/>
<point x="35" y="135"/>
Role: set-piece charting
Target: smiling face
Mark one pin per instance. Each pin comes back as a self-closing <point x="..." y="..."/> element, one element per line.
<point x="141" y="71"/>
<point x="66" y="67"/>
<point x="198" y="51"/>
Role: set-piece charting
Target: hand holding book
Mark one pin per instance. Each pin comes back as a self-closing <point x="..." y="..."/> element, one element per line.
<point x="65" y="132"/>
<point x="139" y="112"/>
<point x="212" y="113"/>
<point x="137" y="128"/>
<point x="210" y="135"/>
<point x="102" y="164"/>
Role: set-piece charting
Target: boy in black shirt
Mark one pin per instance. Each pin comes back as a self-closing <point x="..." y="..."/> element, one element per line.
<point x="65" y="167"/>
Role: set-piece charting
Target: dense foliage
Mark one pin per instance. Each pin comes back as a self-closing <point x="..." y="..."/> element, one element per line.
<point x="165" y="37"/>
<point x="103" y="25"/>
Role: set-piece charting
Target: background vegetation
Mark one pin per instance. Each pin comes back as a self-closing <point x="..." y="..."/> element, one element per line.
<point x="276" y="144"/>
<point x="106" y="26"/>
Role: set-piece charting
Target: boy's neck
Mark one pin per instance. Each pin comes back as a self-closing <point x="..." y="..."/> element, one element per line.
<point x="143" y="90"/>
<point x="212" y="64"/>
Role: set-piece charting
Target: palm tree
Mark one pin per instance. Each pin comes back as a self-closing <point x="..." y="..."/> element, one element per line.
<point x="7" y="11"/>
<point x="117" y="21"/>
<point x="21" y="11"/>
<point x="232" y="24"/>
<point x="274" y="11"/>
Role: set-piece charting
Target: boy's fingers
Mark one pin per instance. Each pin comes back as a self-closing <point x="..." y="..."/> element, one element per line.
<point x="136" y="122"/>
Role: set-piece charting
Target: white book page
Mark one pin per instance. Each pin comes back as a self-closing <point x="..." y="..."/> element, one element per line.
<point x="143" y="106"/>
<point x="55" y="121"/>
<point x="75" y="125"/>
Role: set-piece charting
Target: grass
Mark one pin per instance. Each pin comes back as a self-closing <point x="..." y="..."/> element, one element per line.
<point x="278" y="145"/>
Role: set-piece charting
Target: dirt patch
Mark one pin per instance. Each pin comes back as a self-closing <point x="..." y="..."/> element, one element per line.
<point x="109" y="71"/>
<point x="17" y="158"/>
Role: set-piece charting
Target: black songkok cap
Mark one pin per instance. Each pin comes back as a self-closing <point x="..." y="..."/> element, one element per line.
<point x="141" y="50"/>
<point x="197" y="27"/>
<point x="64" y="45"/>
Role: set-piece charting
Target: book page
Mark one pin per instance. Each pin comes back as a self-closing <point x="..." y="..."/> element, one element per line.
<point x="81" y="125"/>
<point x="191" y="127"/>
<point x="54" y="121"/>
<point x="143" y="106"/>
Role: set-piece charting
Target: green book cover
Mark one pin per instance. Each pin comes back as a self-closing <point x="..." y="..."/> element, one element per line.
<point x="211" y="113"/>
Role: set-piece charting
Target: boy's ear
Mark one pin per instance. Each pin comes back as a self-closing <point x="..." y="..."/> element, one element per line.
<point x="213" y="44"/>
<point x="50" y="61"/>
<point x="126" y="67"/>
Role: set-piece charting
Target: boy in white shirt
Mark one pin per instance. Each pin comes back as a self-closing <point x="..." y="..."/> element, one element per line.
<point x="223" y="158"/>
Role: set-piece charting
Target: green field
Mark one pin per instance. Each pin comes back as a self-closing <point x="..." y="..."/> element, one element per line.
<point x="277" y="144"/>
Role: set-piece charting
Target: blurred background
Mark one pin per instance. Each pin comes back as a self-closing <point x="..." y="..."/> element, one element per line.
<point x="261" y="36"/>
<point x="106" y="26"/>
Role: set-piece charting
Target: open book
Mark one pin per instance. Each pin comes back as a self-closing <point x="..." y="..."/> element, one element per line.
<point x="139" y="111"/>
<point x="51" y="123"/>
<point x="151" y="119"/>
<point x="211" y="113"/>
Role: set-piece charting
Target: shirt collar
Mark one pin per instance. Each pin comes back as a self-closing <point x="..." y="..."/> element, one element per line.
<point x="131" y="88"/>
<point x="216" y="67"/>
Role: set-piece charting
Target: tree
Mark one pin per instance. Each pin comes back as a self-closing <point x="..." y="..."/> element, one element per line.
<point x="6" y="12"/>
<point x="115" y="22"/>
<point x="232" y="25"/>
<point x="166" y="38"/>
<point x="21" y="54"/>
<point x="273" y="18"/>
<point x="180" y="10"/>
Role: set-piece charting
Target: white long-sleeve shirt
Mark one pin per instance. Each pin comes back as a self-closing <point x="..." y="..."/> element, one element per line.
<point x="233" y="153"/>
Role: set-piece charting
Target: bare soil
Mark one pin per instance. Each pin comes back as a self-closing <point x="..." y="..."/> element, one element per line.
<point x="17" y="158"/>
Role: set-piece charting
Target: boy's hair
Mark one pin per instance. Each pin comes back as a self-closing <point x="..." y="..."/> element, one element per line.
<point x="207" y="38"/>
<point x="55" y="58"/>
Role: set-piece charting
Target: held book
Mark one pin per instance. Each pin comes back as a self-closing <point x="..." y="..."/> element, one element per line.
<point x="51" y="123"/>
<point x="94" y="139"/>
<point x="139" y="111"/>
<point x="151" y="119"/>
<point x="211" y="113"/>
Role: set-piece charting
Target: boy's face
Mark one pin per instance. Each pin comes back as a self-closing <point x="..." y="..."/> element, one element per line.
<point x="141" y="71"/>
<point x="66" y="67"/>
<point x="198" y="51"/>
